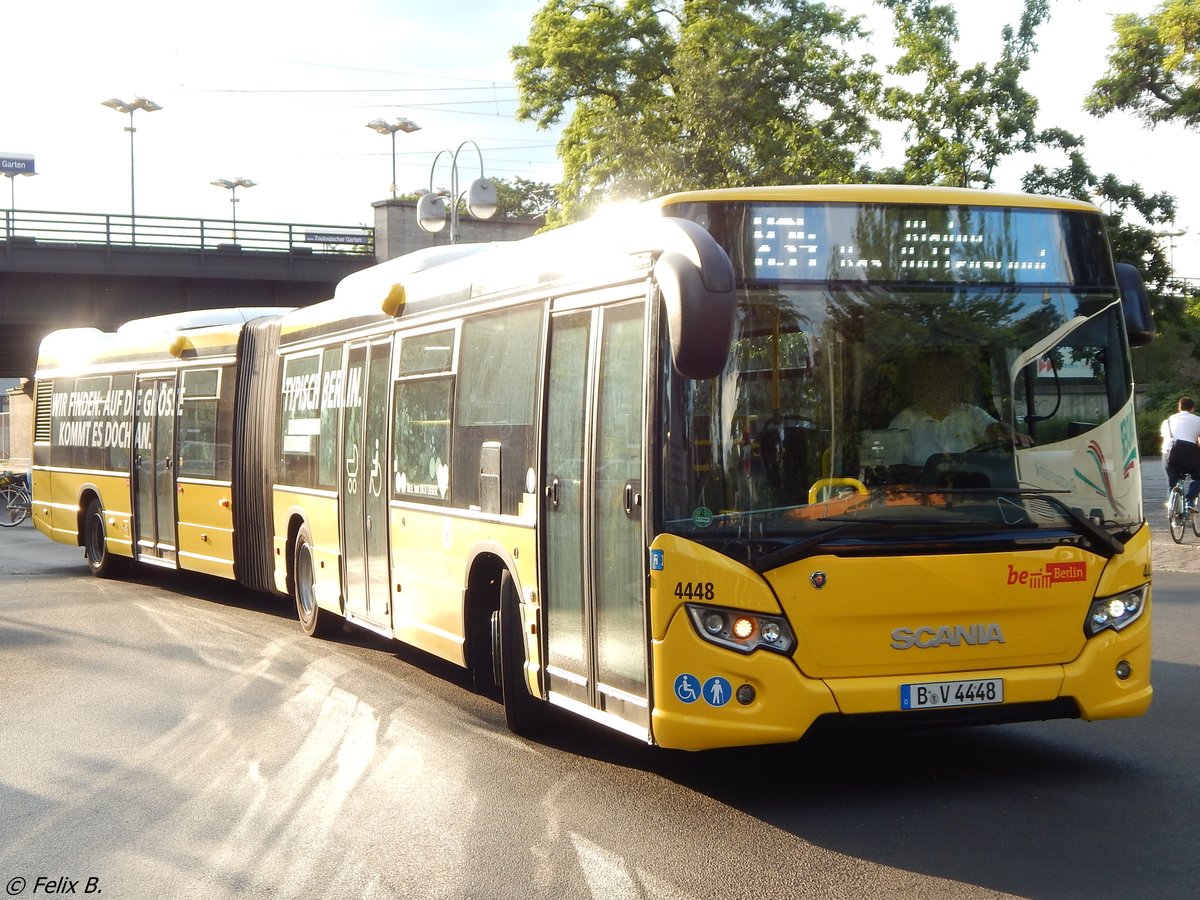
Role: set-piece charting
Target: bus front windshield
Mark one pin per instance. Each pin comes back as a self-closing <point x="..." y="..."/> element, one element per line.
<point x="905" y="409"/>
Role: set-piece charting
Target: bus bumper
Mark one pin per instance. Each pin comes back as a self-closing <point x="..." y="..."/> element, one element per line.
<point x="763" y="697"/>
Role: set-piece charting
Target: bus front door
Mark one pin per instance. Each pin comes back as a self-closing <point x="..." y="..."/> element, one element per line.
<point x="154" y="469"/>
<point x="364" y="491"/>
<point x="596" y="624"/>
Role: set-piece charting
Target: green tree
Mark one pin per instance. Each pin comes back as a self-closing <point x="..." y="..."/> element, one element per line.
<point x="1153" y="66"/>
<point x="1132" y="214"/>
<point x="1170" y="366"/>
<point x="959" y="123"/>
<point x="667" y="95"/>
<point x="522" y="198"/>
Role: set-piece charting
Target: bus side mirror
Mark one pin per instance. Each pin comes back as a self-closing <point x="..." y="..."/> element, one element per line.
<point x="1135" y="305"/>
<point x="700" y="303"/>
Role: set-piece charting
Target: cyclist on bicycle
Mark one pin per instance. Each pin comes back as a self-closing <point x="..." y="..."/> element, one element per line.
<point x="1183" y="429"/>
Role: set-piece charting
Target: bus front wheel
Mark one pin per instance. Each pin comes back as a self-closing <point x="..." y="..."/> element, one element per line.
<point x="523" y="713"/>
<point x="314" y="621"/>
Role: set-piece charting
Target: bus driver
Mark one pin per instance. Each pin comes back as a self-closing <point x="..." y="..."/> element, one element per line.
<point x="939" y="419"/>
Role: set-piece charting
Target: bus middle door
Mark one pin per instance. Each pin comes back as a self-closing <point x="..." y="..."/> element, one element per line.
<point x="154" y="469"/>
<point x="364" y="489"/>
<point x="597" y="640"/>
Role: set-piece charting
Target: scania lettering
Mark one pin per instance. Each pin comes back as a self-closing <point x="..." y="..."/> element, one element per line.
<point x="948" y="635"/>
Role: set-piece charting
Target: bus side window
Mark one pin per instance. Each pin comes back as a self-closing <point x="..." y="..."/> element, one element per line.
<point x="332" y="398"/>
<point x="494" y="409"/>
<point x="1073" y="387"/>
<point x="198" y="423"/>
<point x="421" y="442"/>
<point x="300" y="420"/>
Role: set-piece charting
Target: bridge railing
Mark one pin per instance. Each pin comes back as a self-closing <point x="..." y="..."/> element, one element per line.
<point x="218" y="235"/>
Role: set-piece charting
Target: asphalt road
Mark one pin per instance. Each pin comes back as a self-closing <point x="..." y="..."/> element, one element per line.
<point x="175" y="736"/>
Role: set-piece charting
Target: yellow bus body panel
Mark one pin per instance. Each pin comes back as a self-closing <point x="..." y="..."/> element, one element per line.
<point x="430" y="556"/>
<point x="320" y="513"/>
<point x="427" y="581"/>
<point x="57" y="511"/>
<point x="205" y="528"/>
<point x="785" y="706"/>
<point x="845" y="661"/>
<point x="935" y="195"/>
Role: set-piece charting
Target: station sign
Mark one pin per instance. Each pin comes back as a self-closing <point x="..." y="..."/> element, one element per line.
<point x="16" y="164"/>
<point x="312" y="237"/>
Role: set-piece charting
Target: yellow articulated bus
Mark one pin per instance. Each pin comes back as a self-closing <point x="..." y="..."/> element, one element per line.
<point x="728" y="466"/>
<point x="136" y="438"/>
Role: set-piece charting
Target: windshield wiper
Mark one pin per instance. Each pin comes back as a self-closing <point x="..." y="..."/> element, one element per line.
<point x="1098" y="534"/>
<point x="1107" y="545"/>
<point x="792" y="552"/>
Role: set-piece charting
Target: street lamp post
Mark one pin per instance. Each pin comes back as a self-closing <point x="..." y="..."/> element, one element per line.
<point x="1170" y="236"/>
<point x="232" y="186"/>
<point x="480" y="196"/>
<point x="408" y="126"/>
<point x="12" y="191"/>
<point x="132" y="106"/>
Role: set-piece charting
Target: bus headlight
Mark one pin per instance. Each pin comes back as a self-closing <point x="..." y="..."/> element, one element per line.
<point x="1117" y="611"/>
<point x="742" y="631"/>
<point x="714" y="623"/>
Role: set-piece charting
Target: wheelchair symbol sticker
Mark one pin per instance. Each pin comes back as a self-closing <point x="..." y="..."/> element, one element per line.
<point x="687" y="688"/>
<point x="716" y="691"/>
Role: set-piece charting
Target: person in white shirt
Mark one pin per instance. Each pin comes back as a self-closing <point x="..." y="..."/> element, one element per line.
<point x="1183" y="425"/>
<point x="939" y="420"/>
<point x="954" y="429"/>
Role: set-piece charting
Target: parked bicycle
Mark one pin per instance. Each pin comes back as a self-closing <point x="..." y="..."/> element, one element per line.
<point x="1178" y="515"/>
<point x="15" y="500"/>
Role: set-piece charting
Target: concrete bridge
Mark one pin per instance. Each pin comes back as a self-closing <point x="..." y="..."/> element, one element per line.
<point x="65" y="270"/>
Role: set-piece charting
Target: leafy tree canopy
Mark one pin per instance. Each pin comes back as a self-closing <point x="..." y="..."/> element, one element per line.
<point x="959" y="123"/>
<point x="522" y="198"/>
<point x="668" y="95"/>
<point x="1153" y="66"/>
<point x="1132" y="214"/>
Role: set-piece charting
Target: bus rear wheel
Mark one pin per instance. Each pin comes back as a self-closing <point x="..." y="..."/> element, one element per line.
<point x="314" y="621"/>
<point x="523" y="713"/>
<point x="100" y="560"/>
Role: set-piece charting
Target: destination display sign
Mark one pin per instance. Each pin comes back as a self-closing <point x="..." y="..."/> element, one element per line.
<point x="901" y="243"/>
<point x="908" y="243"/>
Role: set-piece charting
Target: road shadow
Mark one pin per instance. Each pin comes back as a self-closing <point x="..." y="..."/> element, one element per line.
<point x="1062" y="809"/>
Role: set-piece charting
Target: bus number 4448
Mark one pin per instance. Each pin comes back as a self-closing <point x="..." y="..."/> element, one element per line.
<point x="694" y="590"/>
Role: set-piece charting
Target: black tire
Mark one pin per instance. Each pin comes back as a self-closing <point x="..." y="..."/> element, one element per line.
<point x="523" y="713"/>
<point x="1176" y="515"/>
<point x="314" y="621"/>
<point x="483" y="647"/>
<point x="100" y="560"/>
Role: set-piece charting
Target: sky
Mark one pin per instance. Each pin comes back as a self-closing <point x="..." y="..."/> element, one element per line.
<point x="280" y="93"/>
